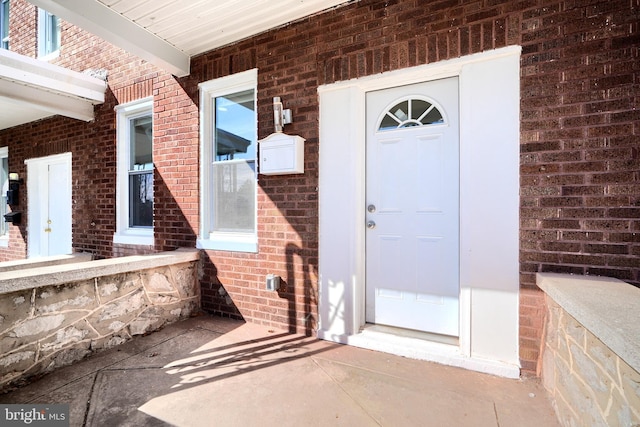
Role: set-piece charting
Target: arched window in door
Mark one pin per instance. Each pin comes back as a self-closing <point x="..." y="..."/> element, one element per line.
<point x="411" y="112"/>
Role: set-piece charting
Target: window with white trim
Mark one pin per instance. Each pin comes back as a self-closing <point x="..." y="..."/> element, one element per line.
<point x="4" y="187"/>
<point x="48" y="35"/>
<point x="411" y="112"/>
<point x="228" y="135"/>
<point x="134" y="191"/>
<point x="4" y="24"/>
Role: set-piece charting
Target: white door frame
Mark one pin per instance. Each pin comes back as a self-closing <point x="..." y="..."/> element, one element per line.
<point x="35" y="229"/>
<point x="489" y="211"/>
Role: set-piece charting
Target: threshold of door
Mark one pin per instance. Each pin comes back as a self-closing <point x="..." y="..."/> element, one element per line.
<point x="416" y="345"/>
<point x="407" y="343"/>
<point x="410" y="333"/>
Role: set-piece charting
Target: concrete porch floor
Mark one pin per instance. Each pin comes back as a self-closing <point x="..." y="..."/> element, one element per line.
<point x="209" y="371"/>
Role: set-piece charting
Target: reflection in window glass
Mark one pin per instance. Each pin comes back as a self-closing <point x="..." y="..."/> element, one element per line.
<point x="413" y="112"/>
<point x="235" y="126"/>
<point x="141" y="200"/>
<point x="141" y="144"/>
<point x="234" y="172"/>
<point x="234" y="195"/>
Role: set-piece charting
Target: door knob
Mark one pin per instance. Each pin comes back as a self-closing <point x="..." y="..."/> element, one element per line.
<point x="371" y="225"/>
<point x="371" y="208"/>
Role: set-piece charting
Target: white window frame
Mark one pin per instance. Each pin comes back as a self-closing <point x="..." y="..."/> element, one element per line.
<point x="4" y="237"/>
<point x="125" y="113"/>
<point x="4" y="39"/>
<point x="208" y="239"/>
<point x="45" y="34"/>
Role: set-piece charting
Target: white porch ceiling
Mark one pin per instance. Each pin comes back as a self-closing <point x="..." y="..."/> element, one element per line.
<point x="31" y="89"/>
<point x="168" y="32"/>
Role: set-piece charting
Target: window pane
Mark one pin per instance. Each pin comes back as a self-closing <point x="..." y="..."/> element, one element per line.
<point x="141" y="144"/>
<point x="413" y="112"/>
<point x="418" y="108"/>
<point x="234" y="188"/>
<point x="4" y="24"/>
<point x="395" y="116"/>
<point x="235" y="125"/>
<point x="433" y="117"/>
<point x="52" y="33"/>
<point x="141" y="200"/>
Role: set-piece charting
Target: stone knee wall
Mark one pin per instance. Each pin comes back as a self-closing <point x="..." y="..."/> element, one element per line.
<point x="590" y="385"/>
<point x="46" y="327"/>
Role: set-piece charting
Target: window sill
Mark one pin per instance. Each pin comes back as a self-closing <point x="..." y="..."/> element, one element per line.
<point x="4" y="242"/>
<point x="232" y="243"/>
<point x="133" y="238"/>
<point x="49" y="56"/>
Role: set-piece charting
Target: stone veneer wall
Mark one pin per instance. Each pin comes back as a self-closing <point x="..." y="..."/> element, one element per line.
<point x="590" y="384"/>
<point x="89" y="307"/>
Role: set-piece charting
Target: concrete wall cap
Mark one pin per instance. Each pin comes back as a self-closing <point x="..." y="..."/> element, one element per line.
<point x="605" y="306"/>
<point x="44" y="261"/>
<point x="30" y="278"/>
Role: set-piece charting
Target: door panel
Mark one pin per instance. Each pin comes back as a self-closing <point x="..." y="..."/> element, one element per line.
<point x="429" y="152"/>
<point x="49" y="204"/>
<point x="412" y="243"/>
<point x="59" y="221"/>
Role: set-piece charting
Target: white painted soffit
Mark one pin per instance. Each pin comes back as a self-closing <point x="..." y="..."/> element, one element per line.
<point x="168" y="33"/>
<point x="31" y="89"/>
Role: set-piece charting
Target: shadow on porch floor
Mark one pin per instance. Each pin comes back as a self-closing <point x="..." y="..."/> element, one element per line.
<point x="209" y="371"/>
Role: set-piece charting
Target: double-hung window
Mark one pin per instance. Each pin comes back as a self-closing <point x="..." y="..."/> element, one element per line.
<point x="228" y="138"/>
<point x="4" y="24"/>
<point x="48" y="35"/>
<point x="4" y="187"/>
<point x="134" y="192"/>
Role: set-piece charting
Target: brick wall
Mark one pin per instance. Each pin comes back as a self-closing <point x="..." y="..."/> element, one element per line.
<point x="580" y="196"/>
<point x="580" y="159"/>
<point x="580" y="142"/>
<point x="22" y="28"/>
<point x="94" y="144"/>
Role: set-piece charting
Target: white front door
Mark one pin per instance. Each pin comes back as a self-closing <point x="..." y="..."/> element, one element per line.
<point x="412" y="203"/>
<point x="49" y="201"/>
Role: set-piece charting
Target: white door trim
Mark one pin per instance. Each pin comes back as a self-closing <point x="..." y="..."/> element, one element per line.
<point x="34" y="201"/>
<point x="489" y="242"/>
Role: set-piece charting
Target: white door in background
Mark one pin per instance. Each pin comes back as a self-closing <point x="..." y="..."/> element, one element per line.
<point x="412" y="203"/>
<point x="49" y="205"/>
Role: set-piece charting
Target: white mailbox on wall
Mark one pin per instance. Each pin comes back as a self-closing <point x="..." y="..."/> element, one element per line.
<point x="281" y="154"/>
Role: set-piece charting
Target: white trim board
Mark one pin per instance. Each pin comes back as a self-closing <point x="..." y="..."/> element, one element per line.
<point x="489" y="206"/>
<point x="32" y="89"/>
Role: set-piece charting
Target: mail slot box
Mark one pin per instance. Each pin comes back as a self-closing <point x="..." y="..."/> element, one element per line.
<point x="281" y="154"/>
<point x="13" y="217"/>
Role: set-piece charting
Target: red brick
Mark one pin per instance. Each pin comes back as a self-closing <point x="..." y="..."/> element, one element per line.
<point x="578" y="140"/>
